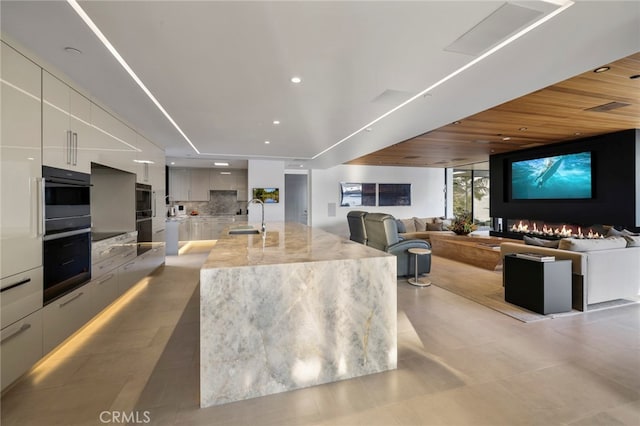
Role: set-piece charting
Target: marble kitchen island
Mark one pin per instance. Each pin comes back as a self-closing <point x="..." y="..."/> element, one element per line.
<point x="297" y="308"/>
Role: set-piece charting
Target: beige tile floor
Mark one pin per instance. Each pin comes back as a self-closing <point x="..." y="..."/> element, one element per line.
<point x="460" y="363"/>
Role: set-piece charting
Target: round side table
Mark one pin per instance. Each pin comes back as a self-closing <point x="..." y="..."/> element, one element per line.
<point x="417" y="281"/>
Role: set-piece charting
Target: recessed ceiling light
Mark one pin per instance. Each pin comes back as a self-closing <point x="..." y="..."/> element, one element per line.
<point x="225" y="173"/>
<point x="456" y="122"/>
<point x="601" y="69"/>
<point x="577" y="133"/>
<point x="296" y="80"/>
<point x="73" y="50"/>
<point x="506" y="138"/>
<point x="522" y="129"/>
<point x="220" y="163"/>
<point x="276" y="122"/>
<point x="173" y="162"/>
<point x="267" y="142"/>
<point x="301" y="165"/>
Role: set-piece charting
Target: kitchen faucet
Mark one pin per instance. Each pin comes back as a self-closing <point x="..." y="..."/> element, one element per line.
<point x="256" y="200"/>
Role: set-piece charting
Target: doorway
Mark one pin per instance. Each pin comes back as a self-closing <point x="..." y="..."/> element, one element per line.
<point x="295" y="198"/>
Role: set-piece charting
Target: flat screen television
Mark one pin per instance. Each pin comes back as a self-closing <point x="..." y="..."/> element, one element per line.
<point x="566" y="176"/>
<point x="267" y="195"/>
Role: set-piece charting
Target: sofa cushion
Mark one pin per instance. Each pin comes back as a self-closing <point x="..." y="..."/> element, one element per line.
<point x="401" y="228"/>
<point x="421" y="223"/>
<point x="437" y="226"/>
<point x="574" y="244"/>
<point x="540" y="242"/>
<point x="409" y="225"/>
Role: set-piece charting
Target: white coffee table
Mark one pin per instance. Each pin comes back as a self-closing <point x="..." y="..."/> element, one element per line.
<point x="417" y="281"/>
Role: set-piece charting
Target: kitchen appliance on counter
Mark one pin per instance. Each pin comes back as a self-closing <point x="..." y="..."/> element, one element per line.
<point x="181" y="210"/>
<point x="144" y="217"/>
<point x="67" y="225"/>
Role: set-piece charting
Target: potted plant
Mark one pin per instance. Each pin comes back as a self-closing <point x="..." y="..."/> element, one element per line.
<point x="462" y="224"/>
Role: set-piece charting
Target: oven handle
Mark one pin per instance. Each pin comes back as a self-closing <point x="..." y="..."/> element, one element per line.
<point x="66" y="234"/>
<point x="153" y="206"/>
<point x="64" y="181"/>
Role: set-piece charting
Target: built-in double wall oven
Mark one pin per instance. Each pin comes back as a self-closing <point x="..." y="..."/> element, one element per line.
<point x="67" y="239"/>
<point x="144" y="216"/>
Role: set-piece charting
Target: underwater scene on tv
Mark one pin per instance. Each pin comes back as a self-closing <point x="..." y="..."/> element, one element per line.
<point x="565" y="176"/>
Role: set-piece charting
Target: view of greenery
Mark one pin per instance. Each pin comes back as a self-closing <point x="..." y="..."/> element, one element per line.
<point x="471" y="194"/>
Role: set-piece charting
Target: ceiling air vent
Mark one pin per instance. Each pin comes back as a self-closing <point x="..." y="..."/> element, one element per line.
<point x="411" y="157"/>
<point x="607" y="107"/>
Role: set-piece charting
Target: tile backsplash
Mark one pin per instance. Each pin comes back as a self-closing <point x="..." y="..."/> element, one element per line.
<point x="220" y="203"/>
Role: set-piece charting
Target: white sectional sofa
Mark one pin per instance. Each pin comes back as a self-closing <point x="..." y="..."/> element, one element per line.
<point x="600" y="272"/>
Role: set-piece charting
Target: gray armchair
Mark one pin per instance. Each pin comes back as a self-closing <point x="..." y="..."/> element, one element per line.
<point x="382" y="234"/>
<point x="355" y="218"/>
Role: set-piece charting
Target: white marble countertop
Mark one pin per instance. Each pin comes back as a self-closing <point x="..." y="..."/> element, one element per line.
<point x="284" y="243"/>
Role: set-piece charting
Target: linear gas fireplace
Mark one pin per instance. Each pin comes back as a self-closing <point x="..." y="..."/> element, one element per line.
<point x="517" y="228"/>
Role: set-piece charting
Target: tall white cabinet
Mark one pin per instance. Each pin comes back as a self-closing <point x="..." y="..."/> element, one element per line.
<point x="21" y="165"/>
<point x="21" y="218"/>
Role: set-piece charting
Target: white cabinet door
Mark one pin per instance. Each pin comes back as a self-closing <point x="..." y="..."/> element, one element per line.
<point x="104" y="290"/>
<point x="66" y="138"/>
<point x="241" y="185"/>
<point x="179" y="184"/>
<point x="83" y="148"/>
<point x="199" y="185"/>
<point x="20" y="347"/>
<point x="21" y="295"/>
<point x="64" y="316"/>
<point x="21" y="189"/>
<point x="115" y="143"/>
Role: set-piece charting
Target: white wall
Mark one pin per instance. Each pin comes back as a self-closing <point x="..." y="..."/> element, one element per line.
<point x="427" y="196"/>
<point x="266" y="174"/>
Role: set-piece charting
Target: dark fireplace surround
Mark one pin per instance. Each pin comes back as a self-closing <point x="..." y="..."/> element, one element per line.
<point x="615" y="200"/>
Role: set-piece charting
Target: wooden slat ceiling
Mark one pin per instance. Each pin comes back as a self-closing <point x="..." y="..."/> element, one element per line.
<point x="555" y="114"/>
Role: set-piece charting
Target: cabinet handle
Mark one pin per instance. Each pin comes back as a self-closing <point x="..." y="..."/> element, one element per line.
<point x="104" y="280"/>
<point x="75" y="149"/>
<point x="129" y="265"/>
<point x="62" y="305"/>
<point x="19" y="283"/>
<point x="40" y="207"/>
<point x="69" y="146"/>
<point x="159" y="231"/>
<point x="22" y="329"/>
<point x="153" y="206"/>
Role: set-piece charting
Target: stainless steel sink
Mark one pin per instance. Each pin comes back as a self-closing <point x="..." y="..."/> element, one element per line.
<point x="239" y="230"/>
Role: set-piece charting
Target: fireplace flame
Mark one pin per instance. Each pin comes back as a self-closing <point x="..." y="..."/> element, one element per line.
<point x="559" y="231"/>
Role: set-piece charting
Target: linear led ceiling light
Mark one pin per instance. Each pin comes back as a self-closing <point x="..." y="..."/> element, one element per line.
<point x="562" y="7"/>
<point x="87" y="20"/>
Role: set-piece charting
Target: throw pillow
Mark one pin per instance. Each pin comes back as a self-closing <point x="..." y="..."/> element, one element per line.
<point x="435" y="227"/>
<point x="409" y="225"/>
<point x="574" y="244"/>
<point x="613" y="232"/>
<point x="401" y="228"/>
<point x="540" y="242"/>
<point x="632" y="240"/>
<point x="421" y="223"/>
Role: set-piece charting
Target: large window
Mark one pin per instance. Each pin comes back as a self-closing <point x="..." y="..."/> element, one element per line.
<point x="471" y="194"/>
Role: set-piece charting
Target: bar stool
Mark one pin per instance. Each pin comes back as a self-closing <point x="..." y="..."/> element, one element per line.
<point x="416" y="281"/>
